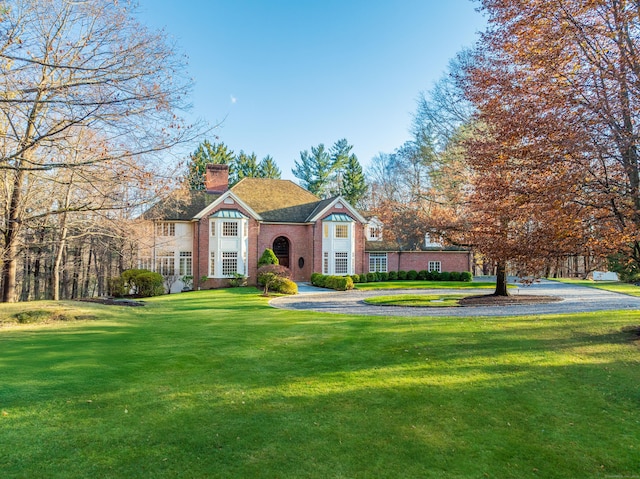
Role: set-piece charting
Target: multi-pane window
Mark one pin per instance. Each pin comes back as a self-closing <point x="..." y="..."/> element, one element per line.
<point x="145" y="262"/>
<point x="165" y="229"/>
<point x="186" y="263"/>
<point x="165" y="263"/>
<point x="341" y="262"/>
<point x="342" y="231"/>
<point x="378" y="262"/>
<point x="213" y="228"/>
<point x="325" y="263"/>
<point x="375" y="233"/>
<point x="229" y="228"/>
<point x="229" y="263"/>
<point x="212" y="263"/>
<point x="325" y="230"/>
<point x="435" y="266"/>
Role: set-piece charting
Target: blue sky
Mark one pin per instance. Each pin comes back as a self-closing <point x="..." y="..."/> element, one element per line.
<point x="280" y="76"/>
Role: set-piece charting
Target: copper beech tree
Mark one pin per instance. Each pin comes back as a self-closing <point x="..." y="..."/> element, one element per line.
<point x="556" y="88"/>
<point x="88" y="98"/>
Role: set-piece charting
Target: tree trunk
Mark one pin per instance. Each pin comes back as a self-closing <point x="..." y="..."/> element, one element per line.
<point x="11" y="239"/>
<point x="501" y="280"/>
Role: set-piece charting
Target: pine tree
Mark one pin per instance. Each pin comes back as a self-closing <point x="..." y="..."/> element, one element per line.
<point x="314" y="170"/>
<point x="269" y="169"/>
<point x="353" y="181"/>
<point x="246" y="166"/>
<point x="207" y="153"/>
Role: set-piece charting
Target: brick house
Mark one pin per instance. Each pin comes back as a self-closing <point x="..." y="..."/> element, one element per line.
<point x="212" y="235"/>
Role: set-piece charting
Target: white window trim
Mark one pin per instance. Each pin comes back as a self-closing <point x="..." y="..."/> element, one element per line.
<point x="218" y="245"/>
<point x="380" y="263"/>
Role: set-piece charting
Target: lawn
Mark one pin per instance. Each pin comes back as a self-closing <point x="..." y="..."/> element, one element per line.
<point x="428" y="285"/>
<point x="614" y="286"/>
<point x="218" y="384"/>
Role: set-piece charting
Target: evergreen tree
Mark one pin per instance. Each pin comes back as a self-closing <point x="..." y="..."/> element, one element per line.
<point x="314" y="170"/>
<point x="340" y="156"/>
<point x="207" y="153"/>
<point x="269" y="169"/>
<point x="246" y="166"/>
<point x="353" y="181"/>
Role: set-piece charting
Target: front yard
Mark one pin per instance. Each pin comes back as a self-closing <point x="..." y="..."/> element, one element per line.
<point x="218" y="384"/>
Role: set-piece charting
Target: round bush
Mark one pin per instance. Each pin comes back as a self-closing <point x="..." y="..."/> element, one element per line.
<point x="268" y="257"/>
<point x="454" y="276"/>
<point x="466" y="276"/>
<point x="285" y="286"/>
<point x="383" y="276"/>
<point x="445" y="276"/>
<point x="402" y="275"/>
<point x="412" y="275"/>
<point x="434" y="276"/>
<point x="393" y="275"/>
<point x="355" y="278"/>
<point x="371" y="277"/>
<point x="117" y="287"/>
<point x="149" y="284"/>
<point x="364" y="278"/>
<point x="423" y="274"/>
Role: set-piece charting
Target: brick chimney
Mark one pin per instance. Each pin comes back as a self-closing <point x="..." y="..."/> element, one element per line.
<point x="216" y="179"/>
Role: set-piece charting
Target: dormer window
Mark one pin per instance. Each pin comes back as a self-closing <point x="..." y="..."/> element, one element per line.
<point x="430" y="242"/>
<point x="374" y="230"/>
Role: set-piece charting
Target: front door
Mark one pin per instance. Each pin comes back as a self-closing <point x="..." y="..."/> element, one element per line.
<point x="281" y="250"/>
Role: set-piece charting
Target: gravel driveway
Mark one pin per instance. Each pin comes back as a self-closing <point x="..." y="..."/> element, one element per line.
<point x="575" y="299"/>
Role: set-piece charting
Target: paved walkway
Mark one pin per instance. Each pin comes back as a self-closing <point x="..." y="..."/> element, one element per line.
<point x="575" y="299"/>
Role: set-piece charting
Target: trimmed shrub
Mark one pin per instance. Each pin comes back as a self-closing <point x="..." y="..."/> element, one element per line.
<point x="423" y="274"/>
<point x="364" y="278"/>
<point x="339" y="283"/>
<point x="466" y="276"/>
<point x="315" y="277"/>
<point x="149" y="284"/>
<point x="402" y="275"/>
<point x="434" y="276"/>
<point x="393" y="275"/>
<point x="454" y="276"/>
<point x="355" y="278"/>
<point x="284" y="286"/>
<point x="383" y="276"/>
<point x="117" y="288"/>
<point x="270" y="274"/>
<point x="268" y="257"/>
<point x="445" y="276"/>
<point x="372" y="277"/>
<point x="412" y="275"/>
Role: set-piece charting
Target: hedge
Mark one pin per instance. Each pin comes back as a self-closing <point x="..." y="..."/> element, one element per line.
<point x="339" y="283"/>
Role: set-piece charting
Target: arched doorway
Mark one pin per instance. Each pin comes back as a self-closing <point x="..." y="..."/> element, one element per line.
<point x="281" y="250"/>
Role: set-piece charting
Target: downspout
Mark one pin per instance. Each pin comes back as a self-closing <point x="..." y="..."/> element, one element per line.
<point x="196" y="277"/>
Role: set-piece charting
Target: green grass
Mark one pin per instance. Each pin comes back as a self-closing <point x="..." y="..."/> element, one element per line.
<point x="427" y="285"/>
<point x="613" y="286"/>
<point x="217" y="384"/>
<point x="417" y="300"/>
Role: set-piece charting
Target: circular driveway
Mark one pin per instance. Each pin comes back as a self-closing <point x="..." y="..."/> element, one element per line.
<point x="574" y="299"/>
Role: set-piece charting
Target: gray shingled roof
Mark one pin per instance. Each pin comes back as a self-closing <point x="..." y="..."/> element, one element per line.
<point x="182" y="206"/>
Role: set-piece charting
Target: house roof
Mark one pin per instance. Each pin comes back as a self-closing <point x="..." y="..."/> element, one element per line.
<point x="277" y="200"/>
<point x="269" y="200"/>
<point x="180" y="207"/>
<point x="389" y="246"/>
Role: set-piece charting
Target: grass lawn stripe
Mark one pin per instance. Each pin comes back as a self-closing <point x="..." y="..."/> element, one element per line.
<point x="218" y="384"/>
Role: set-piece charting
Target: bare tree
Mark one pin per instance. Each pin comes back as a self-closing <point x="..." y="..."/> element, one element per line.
<point x="70" y="68"/>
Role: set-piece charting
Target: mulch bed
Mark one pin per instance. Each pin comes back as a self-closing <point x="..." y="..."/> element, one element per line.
<point x="491" y="300"/>
<point x="112" y="302"/>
